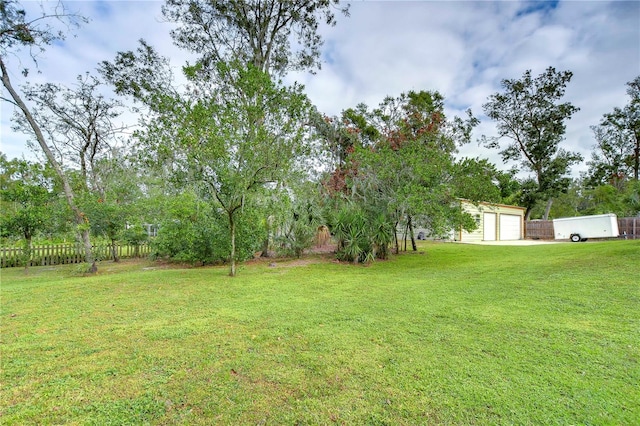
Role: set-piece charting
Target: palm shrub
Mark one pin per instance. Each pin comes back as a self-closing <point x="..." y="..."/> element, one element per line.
<point x="299" y="229"/>
<point x="297" y="236"/>
<point x="363" y="235"/>
<point x="382" y="235"/>
<point x="346" y="226"/>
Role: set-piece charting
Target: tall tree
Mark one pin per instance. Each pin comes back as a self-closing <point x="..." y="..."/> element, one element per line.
<point x="530" y="114"/>
<point x="116" y="201"/>
<point x="609" y="164"/>
<point x="477" y="179"/>
<point x="19" y="32"/>
<point x="401" y="170"/>
<point x="257" y="32"/>
<point x="237" y="130"/>
<point x="273" y="36"/>
<point x="616" y="155"/>
<point x="79" y="123"/>
<point x="233" y="159"/>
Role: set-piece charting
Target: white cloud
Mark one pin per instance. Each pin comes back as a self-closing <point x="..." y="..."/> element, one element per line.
<point x="462" y="49"/>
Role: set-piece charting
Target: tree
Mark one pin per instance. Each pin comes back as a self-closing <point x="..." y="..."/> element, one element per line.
<point x="298" y="219"/>
<point x="608" y="164"/>
<point x="256" y="32"/>
<point x="568" y="204"/>
<point x="194" y="230"/>
<point x="237" y="131"/>
<point x="18" y="32"/>
<point x="233" y="139"/>
<point x="477" y="180"/>
<point x="616" y="155"/>
<point x="79" y="123"/>
<point x="27" y="194"/>
<point x="529" y="113"/>
<point x="273" y="36"/>
<point x="116" y="201"/>
<point x="401" y="169"/>
<point x="582" y="198"/>
<point x="338" y="138"/>
<point x="233" y="158"/>
<point x="187" y="229"/>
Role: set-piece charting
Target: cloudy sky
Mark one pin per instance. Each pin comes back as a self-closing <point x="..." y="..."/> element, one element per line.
<point x="463" y="49"/>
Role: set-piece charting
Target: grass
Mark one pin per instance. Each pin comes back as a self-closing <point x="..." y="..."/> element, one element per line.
<point x="455" y="334"/>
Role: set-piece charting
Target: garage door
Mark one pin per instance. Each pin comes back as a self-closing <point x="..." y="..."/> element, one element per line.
<point x="510" y="227"/>
<point x="489" y="227"/>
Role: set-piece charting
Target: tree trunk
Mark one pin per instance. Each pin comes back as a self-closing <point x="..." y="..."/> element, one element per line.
<point x="404" y="236"/>
<point x="395" y="236"/>
<point x="413" y="238"/>
<point x="265" y="246"/>
<point x="83" y="231"/>
<point x="232" y="234"/>
<point x="636" y="160"/>
<point x="79" y="217"/>
<point x="527" y="214"/>
<point x="265" y="243"/>
<point x="114" y="251"/>
<point x="547" y="209"/>
<point x="26" y="252"/>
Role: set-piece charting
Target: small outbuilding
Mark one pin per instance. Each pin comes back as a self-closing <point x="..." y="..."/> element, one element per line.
<point x="496" y="222"/>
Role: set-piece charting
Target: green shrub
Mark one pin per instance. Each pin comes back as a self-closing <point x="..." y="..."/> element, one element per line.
<point x="363" y="236"/>
<point x="193" y="232"/>
<point x="298" y="237"/>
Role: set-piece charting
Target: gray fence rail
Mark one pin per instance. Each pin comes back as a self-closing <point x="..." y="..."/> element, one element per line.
<point x="61" y="254"/>
<point x="629" y="228"/>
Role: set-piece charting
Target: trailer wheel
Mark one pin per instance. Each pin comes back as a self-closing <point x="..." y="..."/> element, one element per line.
<point x="575" y="238"/>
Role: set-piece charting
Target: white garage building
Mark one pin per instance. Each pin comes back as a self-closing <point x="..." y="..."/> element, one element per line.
<point x="496" y="222"/>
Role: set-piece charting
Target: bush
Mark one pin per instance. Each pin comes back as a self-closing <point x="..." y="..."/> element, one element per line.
<point x="185" y="240"/>
<point x="298" y="237"/>
<point x="362" y="236"/>
<point x="195" y="233"/>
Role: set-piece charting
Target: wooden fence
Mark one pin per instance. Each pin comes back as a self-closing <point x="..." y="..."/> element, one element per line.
<point x="629" y="228"/>
<point x="538" y="230"/>
<point x="61" y="254"/>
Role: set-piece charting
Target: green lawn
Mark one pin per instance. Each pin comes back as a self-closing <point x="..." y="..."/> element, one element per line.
<point x="455" y="334"/>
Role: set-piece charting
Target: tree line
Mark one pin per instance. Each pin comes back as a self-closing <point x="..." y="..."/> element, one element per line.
<point x="237" y="162"/>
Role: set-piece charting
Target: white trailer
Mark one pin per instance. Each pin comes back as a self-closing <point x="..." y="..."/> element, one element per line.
<point x="583" y="227"/>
